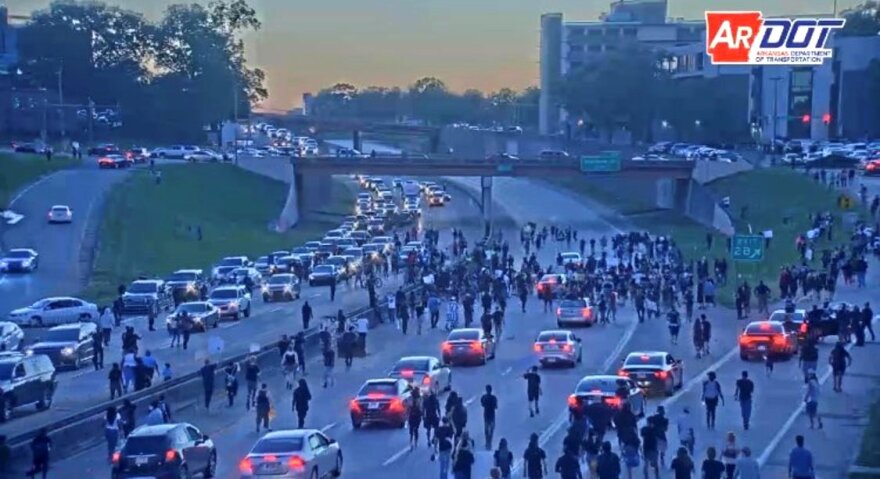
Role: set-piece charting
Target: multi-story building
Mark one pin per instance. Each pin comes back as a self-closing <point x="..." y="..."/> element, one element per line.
<point x="566" y="46"/>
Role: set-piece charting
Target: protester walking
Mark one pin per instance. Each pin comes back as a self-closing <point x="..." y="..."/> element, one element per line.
<point x="729" y="454"/>
<point x="251" y="376"/>
<point x="301" y="398"/>
<point x="231" y="383"/>
<point x="534" y="459"/>
<point x="800" y="461"/>
<point x="711" y="395"/>
<point x="743" y="393"/>
<point x="111" y="431"/>
<point x="208" y="372"/>
<point x="263" y="407"/>
<point x="811" y="399"/>
<point x="115" y="379"/>
<point x="41" y="446"/>
<point x="490" y="404"/>
<point x="839" y="360"/>
<point x="682" y="465"/>
<point x="533" y="390"/>
<point x="747" y="467"/>
<point x="503" y="459"/>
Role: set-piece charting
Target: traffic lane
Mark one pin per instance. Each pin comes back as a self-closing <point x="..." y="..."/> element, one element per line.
<point x="85" y="387"/>
<point x="64" y="249"/>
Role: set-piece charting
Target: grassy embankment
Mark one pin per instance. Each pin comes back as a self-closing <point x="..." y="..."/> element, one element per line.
<point x="151" y="230"/>
<point x="774" y="199"/>
<point x="17" y="170"/>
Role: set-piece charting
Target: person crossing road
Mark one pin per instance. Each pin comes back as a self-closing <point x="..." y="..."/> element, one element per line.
<point x="533" y="390"/>
<point x="490" y="405"/>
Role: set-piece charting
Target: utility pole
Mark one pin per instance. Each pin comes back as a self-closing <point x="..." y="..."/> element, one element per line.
<point x="61" y="99"/>
<point x="91" y="112"/>
<point x="775" y="81"/>
<point x="44" y="131"/>
<point x="235" y="120"/>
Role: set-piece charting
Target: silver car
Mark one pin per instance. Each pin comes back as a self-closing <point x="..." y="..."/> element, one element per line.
<point x="11" y="336"/>
<point x="293" y="454"/>
<point x="558" y="347"/>
<point x="426" y="372"/>
<point x="574" y="311"/>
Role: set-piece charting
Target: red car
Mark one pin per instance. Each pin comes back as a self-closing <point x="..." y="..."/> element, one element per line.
<point x="762" y="338"/>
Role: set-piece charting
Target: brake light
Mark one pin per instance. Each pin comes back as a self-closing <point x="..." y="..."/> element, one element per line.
<point x="745" y="340"/>
<point x="407" y="373"/>
<point x="586" y="312"/>
<point x="779" y="340"/>
<point x="246" y="466"/>
<point x="566" y="348"/>
<point x="613" y="401"/>
<point x="804" y="328"/>
<point x="170" y="455"/>
<point x="296" y="463"/>
<point x="446" y="347"/>
<point x="764" y="326"/>
<point x="623" y="373"/>
<point x="426" y="380"/>
<point x="558" y="311"/>
<point x="396" y="405"/>
<point x="661" y="374"/>
<point x="477" y="346"/>
<point x="645" y="357"/>
<point x="354" y="406"/>
<point x="572" y="401"/>
<point x="552" y="341"/>
<point x="116" y="457"/>
<point x="537" y="348"/>
<point x="270" y="458"/>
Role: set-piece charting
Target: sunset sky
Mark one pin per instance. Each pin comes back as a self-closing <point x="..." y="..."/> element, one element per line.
<point x="305" y="45"/>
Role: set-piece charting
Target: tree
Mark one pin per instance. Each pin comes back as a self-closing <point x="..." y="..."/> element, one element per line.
<point x="862" y="20"/>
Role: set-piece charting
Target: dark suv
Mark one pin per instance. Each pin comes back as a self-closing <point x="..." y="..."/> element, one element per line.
<point x="68" y="345"/>
<point x="188" y="285"/>
<point x="166" y="451"/>
<point x="145" y="295"/>
<point x="25" y="380"/>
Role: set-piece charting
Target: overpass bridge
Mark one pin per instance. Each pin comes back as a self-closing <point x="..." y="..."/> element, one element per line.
<point x="311" y="174"/>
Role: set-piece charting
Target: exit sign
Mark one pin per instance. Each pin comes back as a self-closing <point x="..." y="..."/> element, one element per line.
<point x="747" y="248"/>
<point x="606" y="162"/>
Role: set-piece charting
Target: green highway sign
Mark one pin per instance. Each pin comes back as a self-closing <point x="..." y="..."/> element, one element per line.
<point x="747" y="248"/>
<point x="505" y="168"/>
<point x="605" y="162"/>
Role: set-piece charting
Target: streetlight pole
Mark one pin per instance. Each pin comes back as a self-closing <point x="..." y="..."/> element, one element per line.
<point x="775" y="81"/>
<point x="61" y="99"/>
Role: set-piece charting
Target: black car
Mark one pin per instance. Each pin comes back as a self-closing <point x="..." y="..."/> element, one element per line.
<point x="325" y="274"/>
<point x="28" y="148"/>
<point x="68" y="345"/>
<point x="145" y="295"/>
<point x="187" y="284"/>
<point x="166" y="451"/>
<point x="281" y="287"/>
<point x="384" y="401"/>
<point x="104" y="150"/>
<point x="25" y="380"/>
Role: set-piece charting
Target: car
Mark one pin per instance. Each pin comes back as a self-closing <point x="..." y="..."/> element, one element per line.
<point x="575" y="311"/>
<point x="25" y="381"/>
<point x="114" y="161"/>
<point x="240" y="276"/>
<point x="467" y="345"/>
<point x="376" y="226"/>
<point x="761" y="338"/>
<point x="571" y="258"/>
<point x="11" y="336"/>
<point x="177" y="152"/>
<point x="436" y="200"/>
<point x="68" y="345"/>
<point x="265" y="265"/>
<point x="553" y="155"/>
<point x="349" y="153"/>
<point x="324" y="274"/>
<point x="33" y="148"/>
<point x="872" y="168"/>
<point x="146" y="296"/>
<point x="360" y="237"/>
<point x="281" y="287"/>
<point x="382" y="401"/>
<point x="60" y="214"/>
<point x="558" y="346"/>
<point x="552" y="282"/>
<point x="103" y="150"/>
<point x="138" y="154"/>
<point x="424" y="372"/>
<point x="203" y="155"/>
<point x="231" y="301"/>
<point x="501" y="156"/>
<point x="654" y="371"/>
<point x="611" y="390"/>
<point x="19" y="260"/>
<point x="204" y="314"/>
<point x="54" y="311"/>
<point x="291" y="454"/>
<point x="169" y="451"/>
<point x="794" y="321"/>
<point x="229" y="263"/>
<point x="187" y="284"/>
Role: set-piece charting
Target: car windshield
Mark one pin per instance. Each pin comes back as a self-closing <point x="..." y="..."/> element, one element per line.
<point x="550" y="278"/>
<point x="182" y="277"/>
<point x="191" y="308"/>
<point x="142" y="288"/>
<point x="763" y="329"/>
<point x="552" y="336"/>
<point x="644" y="360"/>
<point x="573" y="303"/>
<point x="376" y="222"/>
<point x="240" y="272"/>
<point x="411" y="365"/>
<point x="60" y="335"/>
<point x="145" y="445"/>
<point x="300" y="250"/>
<point x="601" y="385"/>
<point x="231" y="262"/>
<point x="263" y="259"/>
<point x="385" y="389"/>
<point x="782" y="316"/>
<point x="18" y="254"/>
<point x="6" y="371"/>
<point x="280" y="279"/>
<point x="324" y="268"/>
<point x="464" y="335"/>
<point x="278" y="445"/>
<point x="570" y="255"/>
<point x="224" y="294"/>
<point x="59" y="209"/>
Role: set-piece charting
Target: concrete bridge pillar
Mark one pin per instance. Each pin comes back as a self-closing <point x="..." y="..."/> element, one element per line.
<point x="356" y="142"/>
<point x="290" y="214"/>
<point x="486" y="202"/>
<point x="314" y="191"/>
<point x="673" y="193"/>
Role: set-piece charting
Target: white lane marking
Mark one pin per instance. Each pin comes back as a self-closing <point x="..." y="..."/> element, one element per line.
<point x="328" y="427"/>
<point x="469" y="401"/>
<point x="316" y="295"/>
<point x="230" y="324"/>
<point x="507" y="371"/>
<point x="396" y="456"/>
<point x="30" y="187"/>
<point x="774" y="442"/>
<point x="275" y="309"/>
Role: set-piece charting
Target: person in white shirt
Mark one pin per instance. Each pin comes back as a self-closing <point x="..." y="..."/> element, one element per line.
<point x="155" y="416"/>
<point x="392" y="309"/>
<point x="685" y="427"/>
<point x="106" y="322"/>
<point x="363" y="325"/>
<point x="128" y="368"/>
<point x="746" y="466"/>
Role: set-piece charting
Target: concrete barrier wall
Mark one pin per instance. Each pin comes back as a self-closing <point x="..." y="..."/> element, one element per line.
<point x="709" y="171"/>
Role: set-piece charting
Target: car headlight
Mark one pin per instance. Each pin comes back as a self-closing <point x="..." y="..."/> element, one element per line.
<point x="288" y="288"/>
<point x="29" y="352"/>
<point x="190" y="287"/>
<point x="265" y="289"/>
<point x="68" y="351"/>
<point x="233" y="305"/>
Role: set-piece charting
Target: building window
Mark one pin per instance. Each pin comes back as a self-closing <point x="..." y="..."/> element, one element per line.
<point x="801" y="80"/>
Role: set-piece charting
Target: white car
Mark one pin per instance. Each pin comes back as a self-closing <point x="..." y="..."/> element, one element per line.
<point x="24" y="260"/>
<point x="60" y="214"/>
<point x="293" y="454"/>
<point x="558" y="347"/>
<point x="571" y="258"/>
<point x="203" y="155"/>
<point x="11" y="336"/>
<point x="426" y="372"/>
<point x="54" y="311"/>
<point x="178" y="152"/>
<point x="231" y="301"/>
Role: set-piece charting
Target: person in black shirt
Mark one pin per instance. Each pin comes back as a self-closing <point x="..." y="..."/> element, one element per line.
<point x="744" y="389"/>
<point x="712" y="468"/>
<point x="568" y="466"/>
<point x="535" y="459"/>
<point x="490" y="405"/>
<point x="41" y="445"/>
<point x="464" y="461"/>
<point x="661" y="425"/>
<point x="608" y="463"/>
<point x="503" y="459"/>
<point x="682" y="465"/>
<point x="650" y="451"/>
<point x="208" y="372"/>
<point x="533" y="390"/>
<point x="431" y="412"/>
<point x="443" y="446"/>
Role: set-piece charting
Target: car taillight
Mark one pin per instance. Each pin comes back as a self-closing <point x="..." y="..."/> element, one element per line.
<point x="779" y="340"/>
<point x="804" y="328"/>
<point x="296" y="463"/>
<point x="246" y="466"/>
<point x="566" y="348"/>
<point x="537" y="348"/>
<point x="406" y="373"/>
<point x="622" y="372"/>
<point x="586" y="312"/>
<point x="477" y="346"/>
<point x="744" y="340"/>
<point x="354" y="406"/>
<point x="116" y="457"/>
<point x="572" y="401"/>
<point x="558" y="311"/>
<point x="396" y="405"/>
<point x="170" y="455"/>
<point x="660" y="374"/>
<point x="426" y="380"/>
<point x="613" y="401"/>
<point x="447" y="347"/>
